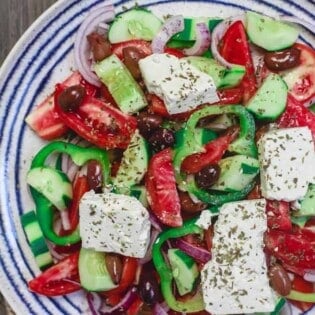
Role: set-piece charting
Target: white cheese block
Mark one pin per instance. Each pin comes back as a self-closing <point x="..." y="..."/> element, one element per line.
<point x="235" y="280"/>
<point x="180" y="85"/>
<point x="114" y="223"/>
<point x="287" y="165"/>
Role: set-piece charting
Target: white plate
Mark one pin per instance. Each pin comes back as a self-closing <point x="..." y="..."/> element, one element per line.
<point x="43" y="57"/>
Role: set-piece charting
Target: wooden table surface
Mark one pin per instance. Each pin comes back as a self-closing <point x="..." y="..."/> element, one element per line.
<point x="15" y="17"/>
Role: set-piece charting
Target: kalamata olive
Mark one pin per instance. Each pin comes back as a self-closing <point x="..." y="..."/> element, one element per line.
<point x="208" y="176"/>
<point x="279" y="280"/>
<point x="94" y="175"/>
<point x="187" y="205"/>
<point x="161" y="139"/>
<point x="114" y="266"/>
<point x="282" y="60"/>
<point x="100" y="46"/>
<point x="149" y="289"/>
<point x="131" y="56"/>
<point x="147" y="123"/>
<point x="71" y="98"/>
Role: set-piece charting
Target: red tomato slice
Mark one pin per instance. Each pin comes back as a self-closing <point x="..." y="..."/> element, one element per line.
<point x="301" y="285"/>
<point x="234" y="48"/>
<point x="161" y="187"/>
<point x="278" y="215"/>
<point x="214" y="150"/>
<point x="45" y="121"/>
<point x="53" y="281"/>
<point x="301" y="79"/>
<point x="291" y="249"/>
<point x="175" y="52"/>
<point x="98" y="122"/>
<point x="297" y="115"/>
<point x="142" y="45"/>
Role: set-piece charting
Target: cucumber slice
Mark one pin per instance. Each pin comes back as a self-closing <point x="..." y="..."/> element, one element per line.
<point x="312" y="108"/>
<point x="134" y="164"/>
<point x="121" y="85"/>
<point x="280" y="303"/>
<point x="134" y="24"/>
<point x="53" y="184"/>
<point x="307" y="204"/>
<point x="184" y="269"/>
<point x="36" y="240"/>
<point x="93" y="271"/>
<point x="236" y="173"/>
<point x="221" y="76"/>
<point x="270" y="100"/>
<point x="300" y="221"/>
<point x="140" y="193"/>
<point x="269" y="33"/>
<point x="189" y="32"/>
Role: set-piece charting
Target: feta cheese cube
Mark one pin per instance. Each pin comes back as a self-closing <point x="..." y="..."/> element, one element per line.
<point x="180" y="85"/>
<point x="287" y="165"/>
<point x="114" y="223"/>
<point x="235" y="279"/>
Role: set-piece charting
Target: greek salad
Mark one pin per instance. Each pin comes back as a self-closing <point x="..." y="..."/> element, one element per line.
<point x="179" y="171"/>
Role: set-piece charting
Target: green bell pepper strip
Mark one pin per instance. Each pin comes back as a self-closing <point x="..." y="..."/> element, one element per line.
<point x="195" y="304"/>
<point x="44" y="208"/>
<point x="217" y="198"/>
<point x="245" y="144"/>
<point x="190" y="144"/>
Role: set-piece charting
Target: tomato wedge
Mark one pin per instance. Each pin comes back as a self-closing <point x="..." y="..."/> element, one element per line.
<point x="161" y="187"/>
<point x="297" y="115"/>
<point x="291" y="249"/>
<point x="234" y="48"/>
<point x="214" y="150"/>
<point x="301" y="285"/>
<point x="141" y="45"/>
<point x="54" y="281"/>
<point x="278" y="215"/>
<point x="98" y="122"/>
<point x="301" y="79"/>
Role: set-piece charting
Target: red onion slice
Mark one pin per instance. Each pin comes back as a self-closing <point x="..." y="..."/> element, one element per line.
<point x="123" y="305"/>
<point x="291" y="19"/>
<point x="171" y="27"/>
<point x="94" y="302"/>
<point x="218" y="34"/>
<point x="202" y="43"/>
<point x="98" y="16"/>
<point x="155" y="222"/>
<point x="160" y="309"/>
<point x="64" y="217"/>
<point x="198" y="253"/>
<point x="309" y="276"/>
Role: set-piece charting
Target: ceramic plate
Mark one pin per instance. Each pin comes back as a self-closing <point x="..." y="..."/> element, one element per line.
<point x="43" y="57"/>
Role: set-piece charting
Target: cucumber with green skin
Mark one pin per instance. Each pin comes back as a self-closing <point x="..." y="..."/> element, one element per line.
<point x="236" y="173"/>
<point x="53" y="184"/>
<point x="93" y="272"/>
<point x="270" y="100"/>
<point x="184" y="269"/>
<point x="137" y="23"/>
<point x="189" y="32"/>
<point x="307" y="204"/>
<point x="36" y="240"/>
<point x="122" y="86"/>
<point x="221" y="76"/>
<point x="269" y="33"/>
<point x="134" y="164"/>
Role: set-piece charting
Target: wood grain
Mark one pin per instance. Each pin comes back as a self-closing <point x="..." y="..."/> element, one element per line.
<point x="15" y="17"/>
